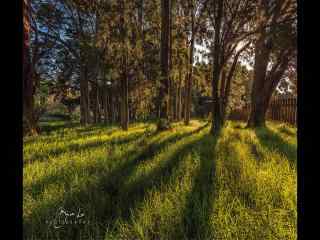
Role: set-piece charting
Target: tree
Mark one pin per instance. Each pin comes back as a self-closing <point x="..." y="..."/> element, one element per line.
<point x="124" y="73"/>
<point x="229" y="20"/>
<point x="28" y="84"/>
<point x="196" y="9"/>
<point x="105" y="50"/>
<point x="164" y="91"/>
<point x="275" y="48"/>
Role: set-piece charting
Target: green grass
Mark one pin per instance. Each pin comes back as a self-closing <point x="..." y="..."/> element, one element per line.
<point x="177" y="184"/>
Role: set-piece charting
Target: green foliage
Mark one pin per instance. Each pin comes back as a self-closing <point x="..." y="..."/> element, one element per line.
<point x="176" y="184"/>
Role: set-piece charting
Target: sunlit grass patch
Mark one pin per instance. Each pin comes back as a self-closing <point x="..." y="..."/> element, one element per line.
<point x="256" y="190"/>
<point x="177" y="184"/>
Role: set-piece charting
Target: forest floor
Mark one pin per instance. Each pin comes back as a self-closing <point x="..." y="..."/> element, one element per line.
<point x="177" y="184"/>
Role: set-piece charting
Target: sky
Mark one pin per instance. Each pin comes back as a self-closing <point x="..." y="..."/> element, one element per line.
<point x="204" y="59"/>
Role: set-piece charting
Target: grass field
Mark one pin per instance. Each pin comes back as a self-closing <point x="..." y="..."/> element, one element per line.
<point x="177" y="184"/>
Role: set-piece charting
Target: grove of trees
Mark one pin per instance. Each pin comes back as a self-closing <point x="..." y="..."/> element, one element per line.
<point x="123" y="61"/>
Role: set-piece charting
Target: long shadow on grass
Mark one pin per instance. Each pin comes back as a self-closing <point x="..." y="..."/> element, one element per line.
<point x="46" y="127"/>
<point x="76" y="133"/>
<point x="273" y="140"/>
<point x="200" y="200"/>
<point x="118" y="198"/>
<point x="286" y="130"/>
<point x="133" y="194"/>
<point x="75" y="147"/>
<point x="116" y="183"/>
<point x="47" y="210"/>
<point x="37" y="186"/>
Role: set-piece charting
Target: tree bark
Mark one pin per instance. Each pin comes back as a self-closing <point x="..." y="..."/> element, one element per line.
<point x="178" y="96"/>
<point x="265" y="82"/>
<point x="29" y="116"/>
<point x="124" y="112"/>
<point x="99" y="104"/>
<point x="105" y="105"/>
<point x="84" y="96"/>
<point x="189" y="79"/>
<point x="112" y="113"/>
<point x="217" y="120"/>
<point x="125" y="100"/>
<point x="95" y="102"/>
<point x="171" y="81"/>
<point x="164" y="91"/>
<point x="258" y="113"/>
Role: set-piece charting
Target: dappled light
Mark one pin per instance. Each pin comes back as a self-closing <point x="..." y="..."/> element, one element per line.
<point x="165" y="119"/>
<point x="174" y="184"/>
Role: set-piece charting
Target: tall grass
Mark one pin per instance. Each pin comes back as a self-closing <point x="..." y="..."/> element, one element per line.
<point x="177" y="184"/>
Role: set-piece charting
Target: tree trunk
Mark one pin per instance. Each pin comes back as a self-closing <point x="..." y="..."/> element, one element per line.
<point x="125" y="100"/>
<point x="180" y="103"/>
<point x="99" y="104"/>
<point x="124" y="112"/>
<point x="105" y="105"/>
<point x="179" y="97"/>
<point x="259" y="100"/>
<point x="164" y="91"/>
<point x="30" y="126"/>
<point x="217" y="121"/>
<point x="175" y="107"/>
<point x="261" y="94"/>
<point x="112" y="113"/>
<point x="183" y="102"/>
<point x="171" y="92"/>
<point x="84" y="96"/>
<point x="95" y="102"/>
<point x="189" y="79"/>
<point x="258" y="113"/>
<point x="224" y="94"/>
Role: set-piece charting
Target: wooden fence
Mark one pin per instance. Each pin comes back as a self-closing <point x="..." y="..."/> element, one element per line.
<point x="283" y="110"/>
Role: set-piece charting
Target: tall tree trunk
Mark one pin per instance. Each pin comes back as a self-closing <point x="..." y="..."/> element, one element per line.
<point x="171" y="80"/>
<point x="99" y="104"/>
<point x="263" y="87"/>
<point x="29" y="116"/>
<point x="95" y="102"/>
<point x="164" y="91"/>
<point x="112" y="113"/>
<point x="258" y="111"/>
<point x="96" y="88"/>
<point x="258" y="102"/>
<point x="105" y="104"/>
<point x="124" y="112"/>
<point x="84" y="96"/>
<point x="265" y="82"/>
<point x="179" y="102"/>
<point x="217" y="120"/>
<point x="190" y="67"/>
<point x="223" y="94"/>
<point x="125" y="99"/>
<point x="183" y="102"/>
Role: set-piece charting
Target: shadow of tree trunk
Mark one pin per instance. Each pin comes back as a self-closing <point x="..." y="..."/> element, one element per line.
<point x="273" y="141"/>
<point x="200" y="200"/>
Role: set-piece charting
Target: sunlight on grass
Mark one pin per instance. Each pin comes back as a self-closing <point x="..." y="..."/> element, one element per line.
<point x="256" y="189"/>
<point x="177" y="184"/>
